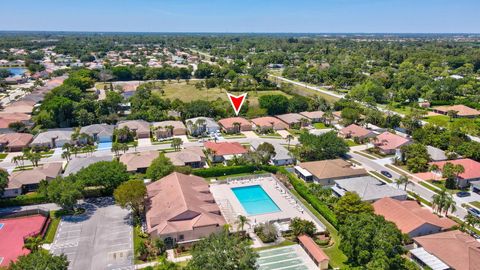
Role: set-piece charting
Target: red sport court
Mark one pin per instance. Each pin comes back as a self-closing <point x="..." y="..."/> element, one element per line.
<point x="12" y="233"/>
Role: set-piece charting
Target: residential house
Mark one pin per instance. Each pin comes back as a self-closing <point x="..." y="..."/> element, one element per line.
<point x="461" y="111"/>
<point x="368" y="188"/>
<point x="167" y="129"/>
<point x="190" y="156"/>
<point x="235" y="124"/>
<point x="388" y="143"/>
<point x="263" y="124"/>
<point x="14" y="142"/>
<point x="447" y="250"/>
<point x="282" y="156"/>
<point x="411" y="218"/>
<point x="99" y="132"/>
<point x="53" y="138"/>
<point x="314" y="251"/>
<point x="139" y="162"/>
<point x="141" y="127"/>
<point x="294" y="120"/>
<point x="200" y="125"/>
<point x="8" y="118"/>
<point x="471" y="167"/>
<point x="21" y="106"/>
<point x="25" y="181"/>
<point x="354" y="131"/>
<point x="78" y="163"/>
<point x="223" y="151"/>
<point x="314" y="117"/>
<point x="181" y="210"/>
<point x="325" y="172"/>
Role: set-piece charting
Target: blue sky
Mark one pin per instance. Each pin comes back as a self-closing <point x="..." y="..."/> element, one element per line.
<point x="320" y="16"/>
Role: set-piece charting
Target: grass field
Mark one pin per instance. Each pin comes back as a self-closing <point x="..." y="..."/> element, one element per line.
<point x="467" y="125"/>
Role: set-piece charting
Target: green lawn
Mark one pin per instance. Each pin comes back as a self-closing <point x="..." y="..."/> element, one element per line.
<point x="467" y="125"/>
<point x="55" y="217"/>
<point x="303" y="91"/>
<point x="282" y="244"/>
<point x="351" y="143"/>
<point x="3" y="155"/>
<point x="320" y="125"/>
<point x="367" y="155"/>
<point x="476" y="204"/>
<point x="429" y="187"/>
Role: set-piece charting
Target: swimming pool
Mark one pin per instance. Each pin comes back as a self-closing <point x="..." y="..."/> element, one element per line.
<point x="255" y="200"/>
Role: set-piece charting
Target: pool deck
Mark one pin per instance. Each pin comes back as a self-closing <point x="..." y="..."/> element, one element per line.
<point x="289" y="206"/>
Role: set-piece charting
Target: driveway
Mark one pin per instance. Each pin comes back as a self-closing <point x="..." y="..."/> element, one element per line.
<point x="250" y="134"/>
<point x="99" y="239"/>
<point x="283" y="133"/>
<point x="144" y="142"/>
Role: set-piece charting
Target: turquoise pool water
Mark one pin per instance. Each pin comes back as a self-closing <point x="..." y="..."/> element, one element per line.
<point x="255" y="200"/>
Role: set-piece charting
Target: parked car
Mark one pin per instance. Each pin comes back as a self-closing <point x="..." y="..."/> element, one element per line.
<point x="387" y="174"/>
<point x="462" y="194"/>
<point x="474" y="212"/>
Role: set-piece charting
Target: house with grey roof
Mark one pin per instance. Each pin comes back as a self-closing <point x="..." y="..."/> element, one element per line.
<point x="368" y="188"/>
<point x="199" y="125"/>
<point x="436" y="154"/>
<point x="99" y="132"/>
<point x="282" y="155"/>
<point x="167" y="129"/>
<point x="53" y="138"/>
<point x="78" y="163"/>
<point x="294" y="120"/>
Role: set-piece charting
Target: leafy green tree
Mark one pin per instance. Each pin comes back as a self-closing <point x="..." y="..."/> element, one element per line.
<point x="274" y="104"/>
<point x="370" y="241"/>
<point x="160" y="167"/>
<point x="40" y="260"/>
<point x="301" y="226"/>
<point x="106" y="174"/>
<point x="33" y="243"/>
<point x="350" y="204"/>
<point x="3" y="180"/>
<point x="416" y="157"/>
<point x="131" y="195"/>
<point x="63" y="192"/>
<point x="321" y="147"/>
<point x="350" y="116"/>
<point x="222" y="251"/>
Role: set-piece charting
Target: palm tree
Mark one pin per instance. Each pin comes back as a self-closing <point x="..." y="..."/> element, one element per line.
<point x="403" y="180"/>
<point x="33" y="243"/>
<point x="115" y="148"/>
<point x="328" y="116"/>
<point x="303" y="122"/>
<point x="170" y="129"/>
<point x="472" y="220"/>
<point x="66" y="155"/>
<point x="450" y="204"/>
<point x="241" y="222"/>
<point x="135" y="145"/>
<point x="289" y="138"/>
<point x="176" y="143"/>
<point x="443" y="201"/>
<point x="34" y="158"/>
<point x="18" y="160"/>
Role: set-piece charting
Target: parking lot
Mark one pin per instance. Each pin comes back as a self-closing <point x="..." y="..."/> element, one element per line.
<point x="99" y="239"/>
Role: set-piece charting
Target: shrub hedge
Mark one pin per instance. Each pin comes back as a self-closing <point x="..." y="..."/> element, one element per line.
<point x="21" y="200"/>
<point x="229" y="170"/>
<point x="303" y="191"/>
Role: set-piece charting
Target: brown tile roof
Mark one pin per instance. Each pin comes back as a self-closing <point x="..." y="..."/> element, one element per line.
<point x="7" y="118"/>
<point x="187" y="155"/>
<point x="226" y="148"/>
<point x="290" y="118"/>
<point x="140" y="126"/>
<point x="390" y="141"/>
<point x="409" y="215"/>
<point x="35" y="175"/>
<point x="332" y="168"/>
<point x="455" y="248"/>
<point x="174" y="124"/>
<point x="313" y="249"/>
<point x="313" y="115"/>
<point x="267" y="122"/>
<point x="21" y="106"/>
<point x="16" y="139"/>
<point x="228" y="122"/>
<point x="355" y="131"/>
<point x="135" y="161"/>
<point x="179" y="202"/>
<point x="461" y="109"/>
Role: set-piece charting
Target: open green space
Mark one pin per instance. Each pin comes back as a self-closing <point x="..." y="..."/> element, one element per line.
<point x="467" y="125"/>
<point x="476" y="204"/>
<point x="320" y="125"/>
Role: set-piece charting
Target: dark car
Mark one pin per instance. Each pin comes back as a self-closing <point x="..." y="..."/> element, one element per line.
<point x="387" y="174"/>
<point x="474" y="212"/>
<point x="463" y="194"/>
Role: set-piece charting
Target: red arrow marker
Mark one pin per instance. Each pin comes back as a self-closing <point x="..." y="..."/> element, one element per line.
<point x="237" y="101"/>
